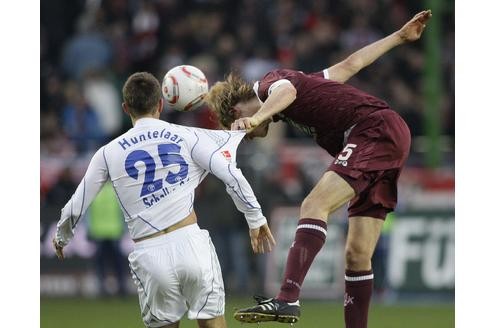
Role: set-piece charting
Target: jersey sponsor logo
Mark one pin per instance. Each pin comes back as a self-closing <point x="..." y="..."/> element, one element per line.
<point x="308" y="130"/>
<point x="292" y="282"/>
<point x="156" y="197"/>
<point x="347" y="133"/>
<point x="227" y="155"/>
<point x="339" y="162"/>
<point x="348" y="299"/>
<point x="219" y="140"/>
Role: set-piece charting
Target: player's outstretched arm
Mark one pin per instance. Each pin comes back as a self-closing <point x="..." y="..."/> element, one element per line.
<point x="221" y="162"/>
<point x="94" y="179"/>
<point x="411" y="31"/>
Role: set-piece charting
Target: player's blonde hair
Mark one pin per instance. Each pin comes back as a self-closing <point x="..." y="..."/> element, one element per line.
<point x="225" y="94"/>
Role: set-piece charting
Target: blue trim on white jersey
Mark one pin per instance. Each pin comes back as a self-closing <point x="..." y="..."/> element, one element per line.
<point x="82" y="203"/>
<point x="71" y="218"/>
<point x="211" y="156"/>
<point x="192" y="149"/>
<point x="139" y="216"/>
<point x="243" y="198"/>
<point x="106" y="164"/>
<point x="118" y="197"/>
<point x="113" y="186"/>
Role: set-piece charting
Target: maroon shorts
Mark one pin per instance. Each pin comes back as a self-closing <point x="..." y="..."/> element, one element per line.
<point x="374" y="154"/>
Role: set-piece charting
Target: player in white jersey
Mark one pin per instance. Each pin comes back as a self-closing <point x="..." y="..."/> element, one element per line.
<point x="154" y="169"/>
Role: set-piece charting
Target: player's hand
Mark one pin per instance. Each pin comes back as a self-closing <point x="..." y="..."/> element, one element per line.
<point x="245" y="123"/>
<point x="59" y="249"/>
<point x="261" y="239"/>
<point x="413" y="29"/>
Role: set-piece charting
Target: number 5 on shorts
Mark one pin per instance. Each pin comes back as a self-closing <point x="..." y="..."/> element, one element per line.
<point x="346" y="152"/>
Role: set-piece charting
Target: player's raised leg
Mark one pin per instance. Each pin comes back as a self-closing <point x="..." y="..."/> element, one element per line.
<point x="362" y="237"/>
<point x="329" y="194"/>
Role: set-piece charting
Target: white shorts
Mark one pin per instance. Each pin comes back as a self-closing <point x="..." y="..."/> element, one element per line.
<point x="177" y="272"/>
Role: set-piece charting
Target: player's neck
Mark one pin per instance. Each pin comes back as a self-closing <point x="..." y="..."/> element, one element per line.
<point x="135" y="119"/>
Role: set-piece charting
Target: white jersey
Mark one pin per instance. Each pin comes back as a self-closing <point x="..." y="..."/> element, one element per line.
<point x="154" y="169"/>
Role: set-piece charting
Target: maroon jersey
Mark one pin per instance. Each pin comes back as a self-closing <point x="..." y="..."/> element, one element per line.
<point x="323" y="108"/>
<point x="369" y="142"/>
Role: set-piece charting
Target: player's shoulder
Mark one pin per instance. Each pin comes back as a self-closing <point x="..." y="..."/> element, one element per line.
<point x="280" y="73"/>
<point x="219" y="137"/>
<point x="99" y="156"/>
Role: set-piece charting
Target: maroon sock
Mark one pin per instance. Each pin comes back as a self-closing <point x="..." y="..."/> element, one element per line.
<point x="358" y="288"/>
<point x="309" y="239"/>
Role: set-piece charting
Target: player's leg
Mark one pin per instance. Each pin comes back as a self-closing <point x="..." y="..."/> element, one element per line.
<point x="203" y="284"/>
<point x="158" y="287"/>
<point x="218" y="322"/>
<point x="361" y="241"/>
<point x="381" y="146"/>
<point x="329" y="194"/>
<point x="366" y="215"/>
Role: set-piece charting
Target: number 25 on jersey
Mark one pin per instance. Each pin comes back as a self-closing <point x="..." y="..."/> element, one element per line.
<point x="169" y="155"/>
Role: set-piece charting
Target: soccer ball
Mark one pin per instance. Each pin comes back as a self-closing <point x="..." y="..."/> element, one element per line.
<point x="184" y="88"/>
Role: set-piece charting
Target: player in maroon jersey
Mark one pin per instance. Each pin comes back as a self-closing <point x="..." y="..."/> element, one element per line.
<point x="370" y="144"/>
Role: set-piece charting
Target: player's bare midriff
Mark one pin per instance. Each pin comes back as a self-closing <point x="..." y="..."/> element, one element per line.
<point x="188" y="220"/>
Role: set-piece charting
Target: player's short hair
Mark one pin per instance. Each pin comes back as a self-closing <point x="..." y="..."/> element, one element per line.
<point x="225" y="94"/>
<point x="142" y="93"/>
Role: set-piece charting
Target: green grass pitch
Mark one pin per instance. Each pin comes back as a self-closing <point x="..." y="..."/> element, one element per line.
<point x="124" y="313"/>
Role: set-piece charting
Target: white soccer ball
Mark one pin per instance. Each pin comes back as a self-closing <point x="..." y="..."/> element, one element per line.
<point x="184" y="88"/>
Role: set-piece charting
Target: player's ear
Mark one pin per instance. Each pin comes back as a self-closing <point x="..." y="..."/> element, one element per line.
<point x="124" y="108"/>
<point x="235" y="112"/>
<point x="160" y="106"/>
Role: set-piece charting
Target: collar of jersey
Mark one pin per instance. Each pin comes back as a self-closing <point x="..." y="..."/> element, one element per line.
<point x="145" y="121"/>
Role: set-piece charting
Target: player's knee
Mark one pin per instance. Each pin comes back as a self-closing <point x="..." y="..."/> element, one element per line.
<point x="218" y="322"/>
<point x="306" y="204"/>
<point x="211" y="324"/>
<point x="357" y="257"/>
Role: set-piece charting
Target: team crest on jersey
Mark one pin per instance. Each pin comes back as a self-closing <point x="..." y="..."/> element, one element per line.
<point x="227" y="155"/>
<point x="214" y="135"/>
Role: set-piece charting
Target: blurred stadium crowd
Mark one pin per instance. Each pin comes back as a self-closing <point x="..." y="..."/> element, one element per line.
<point x="89" y="48"/>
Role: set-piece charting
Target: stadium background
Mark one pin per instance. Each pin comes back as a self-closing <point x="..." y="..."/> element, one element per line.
<point x="88" y="48"/>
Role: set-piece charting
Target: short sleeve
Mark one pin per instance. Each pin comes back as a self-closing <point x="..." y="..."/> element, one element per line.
<point x="215" y="149"/>
<point x="262" y="87"/>
<point x="321" y="74"/>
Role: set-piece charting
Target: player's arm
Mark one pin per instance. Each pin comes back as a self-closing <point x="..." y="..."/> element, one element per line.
<point x="94" y="179"/>
<point x="347" y="68"/>
<point x="281" y="94"/>
<point x="219" y="159"/>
